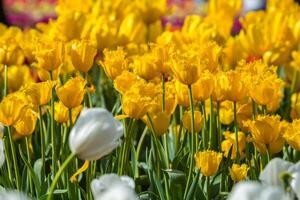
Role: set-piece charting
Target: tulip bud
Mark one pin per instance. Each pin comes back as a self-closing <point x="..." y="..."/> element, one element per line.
<point x="111" y="186"/>
<point x="2" y="155"/>
<point x="95" y="134"/>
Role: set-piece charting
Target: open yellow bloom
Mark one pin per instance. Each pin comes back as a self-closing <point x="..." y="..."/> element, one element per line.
<point x="11" y="108"/>
<point x="124" y="81"/>
<point x="208" y="162"/>
<point x="238" y="172"/>
<point x="72" y="92"/>
<point x="115" y="62"/>
<point x="40" y="93"/>
<point x="266" y="133"/>
<point x="50" y="55"/>
<point x="186" y="120"/>
<point x="292" y="134"/>
<point x="135" y="106"/>
<point x="27" y="122"/>
<point x="82" y="54"/>
<point x="11" y="54"/>
<point x="236" y="89"/>
<point x="230" y="142"/>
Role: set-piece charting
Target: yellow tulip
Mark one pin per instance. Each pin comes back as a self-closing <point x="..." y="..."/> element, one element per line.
<point x="230" y="143"/>
<point x="292" y="134"/>
<point x="40" y="93"/>
<point x="115" y="62"/>
<point x="62" y="113"/>
<point x="11" y="108"/>
<point x="50" y="55"/>
<point x="236" y="89"/>
<point x="27" y="122"/>
<point x="82" y="54"/>
<point x="135" y="106"/>
<point x="18" y="76"/>
<point x="72" y="92"/>
<point x="11" y="54"/>
<point x="186" y="120"/>
<point x="182" y="94"/>
<point x="266" y="133"/>
<point x="208" y="162"/>
<point x="226" y="112"/>
<point x="204" y="87"/>
<point x="160" y="122"/>
<point x="238" y="172"/>
<point x="145" y="67"/>
<point x="132" y="29"/>
<point x="186" y="67"/>
<point x="124" y="81"/>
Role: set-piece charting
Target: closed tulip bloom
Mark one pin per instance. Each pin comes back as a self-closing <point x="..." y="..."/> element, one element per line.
<point x="50" y="55"/>
<point x="26" y="124"/>
<point x="18" y="76"/>
<point x="226" y="112"/>
<point x="132" y="29"/>
<point x="266" y="133"/>
<point x="11" y="54"/>
<point x="113" y="187"/>
<point x="230" y="143"/>
<point x="62" y="112"/>
<point x="125" y="80"/>
<point x="115" y="62"/>
<point x="40" y="93"/>
<point x="95" y="134"/>
<point x="292" y="134"/>
<point x="145" y="67"/>
<point x="82" y="54"/>
<point x="210" y="55"/>
<point x="186" y="67"/>
<point x="236" y="89"/>
<point x="221" y="85"/>
<point x="204" y="87"/>
<point x="208" y="162"/>
<point x="238" y="172"/>
<point x="160" y="122"/>
<point x="11" y="108"/>
<point x="186" y="120"/>
<point x="135" y="106"/>
<point x="182" y="94"/>
<point x="72" y="92"/>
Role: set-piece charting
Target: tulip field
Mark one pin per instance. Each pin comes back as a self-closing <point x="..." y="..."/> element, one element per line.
<point x="159" y="100"/>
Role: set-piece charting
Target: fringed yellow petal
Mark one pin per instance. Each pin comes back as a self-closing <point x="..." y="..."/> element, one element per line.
<point x="120" y="117"/>
<point x="84" y="167"/>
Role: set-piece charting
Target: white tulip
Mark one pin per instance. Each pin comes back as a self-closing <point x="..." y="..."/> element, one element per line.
<point x="271" y="174"/>
<point x="113" y="187"/>
<point x="13" y="195"/>
<point x="253" y="190"/>
<point x="95" y="134"/>
<point x="2" y="155"/>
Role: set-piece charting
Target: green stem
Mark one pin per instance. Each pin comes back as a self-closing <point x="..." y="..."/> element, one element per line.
<point x="208" y="187"/>
<point x="204" y="129"/>
<point x="53" y="135"/>
<point x="236" y="129"/>
<point x="192" y="135"/>
<point x="58" y="174"/>
<point x="70" y="117"/>
<point x="29" y="161"/>
<point x="8" y="159"/>
<point x="219" y="127"/>
<point x="211" y="124"/>
<point x="5" y="87"/>
<point x="42" y="141"/>
<point x="88" y="94"/>
<point x="14" y="155"/>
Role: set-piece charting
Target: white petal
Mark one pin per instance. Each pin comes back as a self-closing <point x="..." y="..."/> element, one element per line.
<point x="271" y="174"/>
<point x="246" y="190"/>
<point x="295" y="183"/>
<point x="273" y="193"/>
<point x="2" y="155"/>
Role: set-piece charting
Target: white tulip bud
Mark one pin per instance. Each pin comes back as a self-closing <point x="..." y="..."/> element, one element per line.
<point x="113" y="187"/>
<point x="95" y="134"/>
<point x="13" y="195"/>
<point x="2" y="155"/>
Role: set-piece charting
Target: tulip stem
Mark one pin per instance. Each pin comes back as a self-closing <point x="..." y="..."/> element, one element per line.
<point x="53" y="137"/>
<point x="58" y="174"/>
<point x="29" y="161"/>
<point x="208" y="188"/>
<point x="204" y="130"/>
<point x="211" y="124"/>
<point x="219" y="127"/>
<point x="236" y="129"/>
<point x="42" y="140"/>
<point x="70" y="118"/>
<point x="5" y="81"/>
<point x="192" y="136"/>
<point x="7" y="158"/>
<point x="14" y="155"/>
